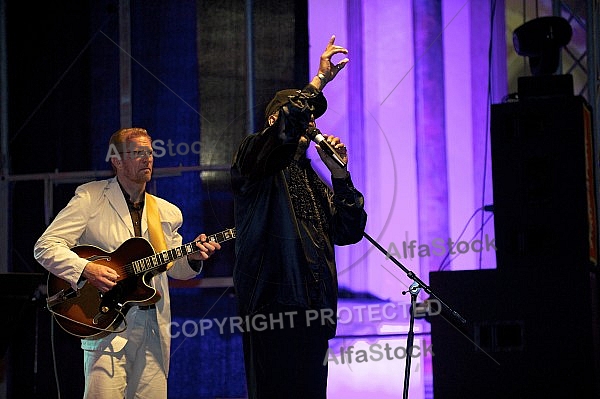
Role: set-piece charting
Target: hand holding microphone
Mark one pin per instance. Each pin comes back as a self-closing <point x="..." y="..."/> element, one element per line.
<point x="315" y="135"/>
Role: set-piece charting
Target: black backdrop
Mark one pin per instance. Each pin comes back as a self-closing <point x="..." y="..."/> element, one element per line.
<point x="189" y="83"/>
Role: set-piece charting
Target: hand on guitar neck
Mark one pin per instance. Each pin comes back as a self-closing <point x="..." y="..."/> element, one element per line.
<point x="207" y="248"/>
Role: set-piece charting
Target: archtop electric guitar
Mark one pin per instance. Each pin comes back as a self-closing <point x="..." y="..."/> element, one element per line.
<point x="87" y="312"/>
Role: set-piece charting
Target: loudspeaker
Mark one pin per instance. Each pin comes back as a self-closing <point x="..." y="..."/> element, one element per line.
<point x="543" y="182"/>
<point x="529" y="335"/>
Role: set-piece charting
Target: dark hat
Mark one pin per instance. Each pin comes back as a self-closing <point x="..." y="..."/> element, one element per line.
<point x="282" y="97"/>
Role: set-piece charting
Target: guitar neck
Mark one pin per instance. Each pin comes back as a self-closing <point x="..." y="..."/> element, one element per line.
<point x="160" y="259"/>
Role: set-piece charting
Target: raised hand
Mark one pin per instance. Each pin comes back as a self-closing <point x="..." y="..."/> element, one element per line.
<point x="327" y="69"/>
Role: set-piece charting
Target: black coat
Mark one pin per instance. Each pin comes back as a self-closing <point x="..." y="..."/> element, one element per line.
<point x="281" y="258"/>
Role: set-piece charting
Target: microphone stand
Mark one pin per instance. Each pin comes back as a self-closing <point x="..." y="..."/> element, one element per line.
<point x="414" y="290"/>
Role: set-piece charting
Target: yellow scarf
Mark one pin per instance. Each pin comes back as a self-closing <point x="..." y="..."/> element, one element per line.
<point x="157" y="236"/>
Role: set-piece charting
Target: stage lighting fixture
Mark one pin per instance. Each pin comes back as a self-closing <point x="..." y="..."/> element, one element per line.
<point x="541" y="40"/>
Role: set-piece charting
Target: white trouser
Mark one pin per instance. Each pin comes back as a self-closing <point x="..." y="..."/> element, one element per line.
<point x="136" y="371"/>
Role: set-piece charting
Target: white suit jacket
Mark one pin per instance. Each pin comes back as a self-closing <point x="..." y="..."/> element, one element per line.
<point x="98" y="215"/>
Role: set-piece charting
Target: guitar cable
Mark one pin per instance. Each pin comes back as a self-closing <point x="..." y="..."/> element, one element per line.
<point x="52" y="321"/>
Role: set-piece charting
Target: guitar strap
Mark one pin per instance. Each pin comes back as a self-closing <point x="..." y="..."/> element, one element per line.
<point x="157" y="236"/>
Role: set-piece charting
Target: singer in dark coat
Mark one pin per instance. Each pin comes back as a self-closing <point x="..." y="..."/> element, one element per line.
<point x="288" y="221"/>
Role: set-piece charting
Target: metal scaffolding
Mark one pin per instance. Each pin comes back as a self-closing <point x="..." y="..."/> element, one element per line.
<point x="586" y="62"/>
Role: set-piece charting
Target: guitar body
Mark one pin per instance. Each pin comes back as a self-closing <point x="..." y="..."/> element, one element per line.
<point x="90" y="313"/>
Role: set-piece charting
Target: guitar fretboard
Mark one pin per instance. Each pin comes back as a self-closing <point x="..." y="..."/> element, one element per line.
<point x="162" y="258"/>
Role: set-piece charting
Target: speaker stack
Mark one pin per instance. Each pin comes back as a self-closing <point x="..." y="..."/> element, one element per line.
<point x="533" y="322"/>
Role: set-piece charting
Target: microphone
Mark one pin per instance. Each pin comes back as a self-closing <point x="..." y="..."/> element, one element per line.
<point x="315" y="135"/>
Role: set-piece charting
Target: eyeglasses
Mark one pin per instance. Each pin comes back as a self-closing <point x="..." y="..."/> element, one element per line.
<point x="138" y="154"/>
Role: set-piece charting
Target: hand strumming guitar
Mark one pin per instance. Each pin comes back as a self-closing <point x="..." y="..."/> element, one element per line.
<point x="102" y="277"/>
